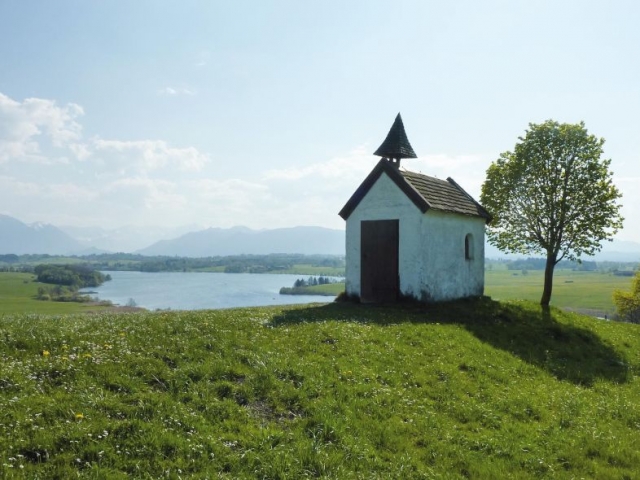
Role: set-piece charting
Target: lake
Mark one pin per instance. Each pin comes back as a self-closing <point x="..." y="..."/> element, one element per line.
<point x="200" y="290"/>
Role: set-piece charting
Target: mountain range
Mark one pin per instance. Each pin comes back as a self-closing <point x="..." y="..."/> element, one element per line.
<point x="194" y="241"/>
<point x="243" y="240"/>
<point x="615" y="251"/>
<point x="129" y="238"/>
<point x="19" y="238"/>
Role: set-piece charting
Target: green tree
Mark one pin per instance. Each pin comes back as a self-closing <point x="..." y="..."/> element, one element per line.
<point x="628" y="303"/>
<point x="552" y="195"/>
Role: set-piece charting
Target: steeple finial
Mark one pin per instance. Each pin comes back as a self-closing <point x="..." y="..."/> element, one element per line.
<point x="396" y="145"/>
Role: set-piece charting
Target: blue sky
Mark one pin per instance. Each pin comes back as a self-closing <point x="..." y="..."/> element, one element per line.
<point x="266" y="113"/>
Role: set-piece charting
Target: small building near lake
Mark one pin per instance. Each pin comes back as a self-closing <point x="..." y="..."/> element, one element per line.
<point x="412" y="235"/>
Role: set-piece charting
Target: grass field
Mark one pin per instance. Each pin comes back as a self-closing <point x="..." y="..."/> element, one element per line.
<point x="327" y="289"/>
<point x="315" y="270"/>
<point x="18" y="294"/>
<point x="472" y="389"/>
<point x="218" y="269"/>
<point x="585" y="291"/>
<point x="303" y="269"/>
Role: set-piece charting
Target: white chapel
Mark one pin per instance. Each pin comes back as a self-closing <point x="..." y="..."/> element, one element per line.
<point x="411" y="235"/>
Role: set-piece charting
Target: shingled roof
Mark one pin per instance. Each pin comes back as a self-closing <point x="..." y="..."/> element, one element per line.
<point x="396" y="145"/>
<point x="424" y="191"/>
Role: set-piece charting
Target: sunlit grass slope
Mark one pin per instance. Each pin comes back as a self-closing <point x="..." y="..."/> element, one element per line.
<point x="472" y="389"/>
<point x="571" y="289"/>
<point x="18" y="293"/>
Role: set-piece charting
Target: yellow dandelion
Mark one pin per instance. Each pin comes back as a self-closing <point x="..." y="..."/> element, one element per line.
<point x="45" y="353"/>
<point x="86" y="355"/>
<point x="79" y="416"/>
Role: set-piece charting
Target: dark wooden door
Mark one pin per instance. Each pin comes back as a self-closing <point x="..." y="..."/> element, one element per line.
<point x="379" y="261"/>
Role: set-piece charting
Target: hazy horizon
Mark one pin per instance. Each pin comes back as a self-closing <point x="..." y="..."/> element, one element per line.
<point x="266" y="114"/>
<point x="191" y="241"/>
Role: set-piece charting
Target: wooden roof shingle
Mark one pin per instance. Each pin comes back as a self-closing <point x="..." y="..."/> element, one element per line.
<point x="424" y="191"/>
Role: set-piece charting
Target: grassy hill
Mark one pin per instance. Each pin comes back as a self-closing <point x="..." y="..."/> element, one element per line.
<point x="588" y="292"/>
<point x="474" y="389"/>
<point x="18" y="292"/>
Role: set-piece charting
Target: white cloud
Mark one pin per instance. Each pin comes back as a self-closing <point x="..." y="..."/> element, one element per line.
<point x="46" y="192"/>
<point x="450" y="164"/>
<point x="49" y="172"/>
<point x="152" y="182"/>
<point x="202" y="59"/>
<point x="318" y="191"/>
<point x="357" y="162"/>
<point x="172" y="91"/>
<point x="25" y="126"/>
<point x="215" y="190"/>
<point x="144" y="195"/>
<point x="81" y="151"/>
<point x="228" y="202"/>
<point x="349" y="170"/>
<point x="11" y="187"/>
<point x="149" y="155"/>
<point x="70" y="192"/>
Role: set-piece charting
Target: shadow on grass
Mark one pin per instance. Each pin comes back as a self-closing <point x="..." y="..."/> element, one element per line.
<point x="544" y="338"/>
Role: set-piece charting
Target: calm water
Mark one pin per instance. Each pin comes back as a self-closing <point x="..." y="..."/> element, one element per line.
<point x="194" y="291"/>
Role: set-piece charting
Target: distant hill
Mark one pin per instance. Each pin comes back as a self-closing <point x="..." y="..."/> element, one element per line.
<point x="615" y="251"/>
<point x="243" y="240"/>
<point x="128" y="238"/>
<point x="19" y="238"/>
<point x="619" y="251"/>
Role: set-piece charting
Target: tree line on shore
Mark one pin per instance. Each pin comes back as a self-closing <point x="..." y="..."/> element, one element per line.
<point x="66" y="280"/>
<point x="272" y="263"/>
<point x="537" y="264"/>
<point x="311" y="281"/>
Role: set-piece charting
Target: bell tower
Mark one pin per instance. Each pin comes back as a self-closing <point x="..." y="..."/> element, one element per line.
<point x="396" y="146"/>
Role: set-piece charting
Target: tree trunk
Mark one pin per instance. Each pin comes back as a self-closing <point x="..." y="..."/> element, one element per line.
<point x="548" y="279"/>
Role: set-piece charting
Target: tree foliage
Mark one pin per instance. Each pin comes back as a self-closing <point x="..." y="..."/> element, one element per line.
<point x="553" y="194"/>
<point x="75" y="276"/>
<point x="628" y="303"/>
<point x="9" y="258"/>
<point x="311" y="281"/>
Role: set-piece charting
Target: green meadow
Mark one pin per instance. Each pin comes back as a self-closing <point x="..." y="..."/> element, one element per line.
<point x="317" y="270"/>
<point x="18" y="293"/>
<point x="303" y="269"/>
<point x="587" y="292"/>
<point x="471" y="389"/>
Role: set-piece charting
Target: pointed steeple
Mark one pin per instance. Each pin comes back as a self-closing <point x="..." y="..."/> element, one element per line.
<point x="396" y="145"/>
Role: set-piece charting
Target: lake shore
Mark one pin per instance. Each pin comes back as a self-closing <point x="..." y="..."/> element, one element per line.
<point x="199" y="290"/>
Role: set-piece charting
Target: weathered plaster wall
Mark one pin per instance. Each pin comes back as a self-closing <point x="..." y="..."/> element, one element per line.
<point x="447" y="274"/>
<point x="432" y="261"/>
<point x="385" y="201"/>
